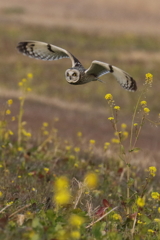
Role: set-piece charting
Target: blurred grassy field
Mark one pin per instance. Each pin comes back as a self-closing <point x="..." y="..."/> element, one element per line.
<point x="135" y="54"/>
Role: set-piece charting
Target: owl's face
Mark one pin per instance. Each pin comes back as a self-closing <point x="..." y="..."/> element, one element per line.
<point x="72" y="75"/>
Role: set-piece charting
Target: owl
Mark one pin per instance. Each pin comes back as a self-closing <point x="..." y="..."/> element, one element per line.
<point x="77" y="74"/>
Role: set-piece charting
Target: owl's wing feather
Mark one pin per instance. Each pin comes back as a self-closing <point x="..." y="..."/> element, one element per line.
<point x="98" y="69"/>
<point x="45" y="51"/>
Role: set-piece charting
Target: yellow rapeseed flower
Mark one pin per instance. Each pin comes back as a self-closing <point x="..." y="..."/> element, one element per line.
<point x="9" y="203"/>
<point x="8" y="112"/>
<point x="111" y="118"/>
<point x="76" y="220"/>
<point x="141" y="202"/>
<point x="108" y="96"/>
<point x="20" y="149"/>
<point x="91" y="180"/>
<point x="75" y="234"/>
<point x="29" y="89"/>
<point x="159" y="209"/>
<point x="123" y="125"/>
<point x="76" y="149"/>
<point x="10" y="132"/>
<point x="30" y="75"/>
<point x="115" y="140"/>
<point x="150" y="231"/>
<point x="45" y="124"/>
<point x="117" y="108"/>
<point x="135" y="124"/>
<point x="61" y="183"/>
<point x="157" y="220"/>
<point x="143" y="103"/>
<point x="149" y="78"/>
<point x="45" y="132"/>
<point x="62" y="197"/>
<point x="116" y="216"/>
<point x="20" y="84"/>
<point x="13" y="118"/>
<point x="146" y="110"/>
<point x="125" y="134"/>
<point x="155" y="195"/>
<point x="79" y="134"/>
<point x="152" y="171"/>
<point x="68" y="148"/>
<point x="92" y="141"/>
<point x="10" y="102"/>
<point x="1" y="194"/>
<point x="24" y="80"/>
<point x="46" y="169"/>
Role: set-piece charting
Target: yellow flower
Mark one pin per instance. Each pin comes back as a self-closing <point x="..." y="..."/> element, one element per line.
<point x="76" y="220"/>
<point x="146" y="110"/>
<point x="159" y="209"/>
<point x="9" y="203"/>
<point x="115" y="140"/>
<point x="76" y="149"/>
<point x="92" y="141"/>
<point x="8" y="112"/>
<point x="61" y="183"/>
<point x="20" y="84"/>
<point x="152" y="171"/>
<point x="140" y="222"/>
<point x="117" y="217"/>
<point x="10" y="132"/>
<point x="1" y="165"/>
<point x="33" y="189"/>
<point x="144" y="103"/>
<point x="123" y="125"/>
<point x="106" y="145"/>
<point x="24" y="80"/>
<point x="149" y="78"/>
<point x="20" y="149"/>
<point x="157" y="220"/>
<point x="19" y="176"/>
<point x="150" y="231"/>
<point x="10" y="102"/>
<point x="30" y="75"/>
<point x="108" y="96"/>
<point x="29" y="89"/>
<point x="111" y="118"/>
<point x="45" y="133"/>
<point x="45" y="124"/>
<point x="91" y="180"/>
<point x="135" y="124"/>
<point x="75" y="234"/>
<point x="62" y="197"/>
<point x="155" y="195"/>
<point x="1" y="194"/>
<point x="13" y="118"/>
<point x="46" y="169"/>
<point x="141" y="202"/>
<point x="117" y="108"/>
<point x="68" y="148"/>
<point x="79" y="134"/>
<point x="125" y="134"/>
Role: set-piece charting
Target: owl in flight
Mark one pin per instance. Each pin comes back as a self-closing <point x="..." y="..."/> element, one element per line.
<point x="77" y="74"/>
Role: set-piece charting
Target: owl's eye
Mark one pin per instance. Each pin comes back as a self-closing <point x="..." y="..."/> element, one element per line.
<point x="74" y="74"/>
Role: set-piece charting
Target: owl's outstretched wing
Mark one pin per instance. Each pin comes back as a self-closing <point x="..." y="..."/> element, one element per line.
<point x="45" y="51"/>
<point x="98" y="69"/>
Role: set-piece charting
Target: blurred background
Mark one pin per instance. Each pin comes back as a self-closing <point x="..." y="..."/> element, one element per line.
<point x="123" y="33"/>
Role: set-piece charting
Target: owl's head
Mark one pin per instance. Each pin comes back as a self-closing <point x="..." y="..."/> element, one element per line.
<point x="72" y="75"/>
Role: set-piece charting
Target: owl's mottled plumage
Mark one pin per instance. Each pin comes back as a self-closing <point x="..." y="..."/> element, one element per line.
<point x="77" y="74"/>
